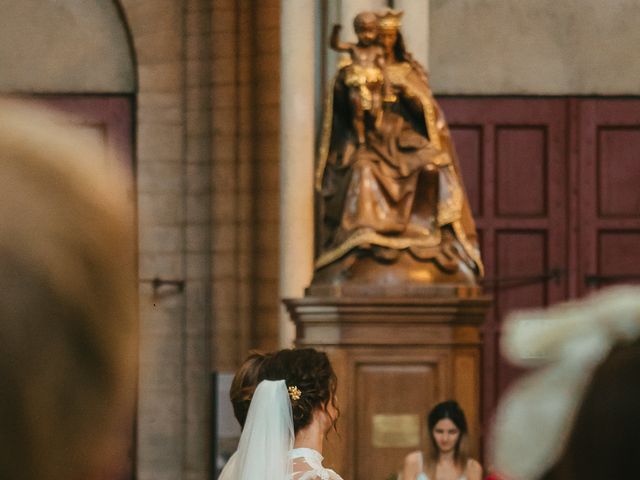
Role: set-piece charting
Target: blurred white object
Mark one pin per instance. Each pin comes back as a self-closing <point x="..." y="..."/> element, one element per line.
<point x="567" y="342"/>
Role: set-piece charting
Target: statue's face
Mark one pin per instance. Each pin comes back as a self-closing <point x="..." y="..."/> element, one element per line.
<point x="387" y="38"/>
<point x="367" y="32"/>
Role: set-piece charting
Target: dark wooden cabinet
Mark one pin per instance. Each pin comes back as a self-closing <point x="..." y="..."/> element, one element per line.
<point x="395" y="358"/>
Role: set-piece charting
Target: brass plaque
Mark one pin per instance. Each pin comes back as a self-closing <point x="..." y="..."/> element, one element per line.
<point x="396" y="431"/>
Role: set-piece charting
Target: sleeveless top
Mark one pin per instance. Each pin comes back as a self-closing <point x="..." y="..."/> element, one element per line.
<point x="423" y="476"/>
<point x="307" y="465"/>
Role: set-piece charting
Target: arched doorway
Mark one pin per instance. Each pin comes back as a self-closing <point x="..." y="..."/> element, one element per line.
<point x="75" y="57"/>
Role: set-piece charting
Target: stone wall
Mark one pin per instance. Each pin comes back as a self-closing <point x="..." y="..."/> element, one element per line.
<point x="207" y="153"/>
<point x="159" y="34"/>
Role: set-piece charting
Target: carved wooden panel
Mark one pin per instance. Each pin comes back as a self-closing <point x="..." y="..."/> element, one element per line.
<point x="554" y="184"/>
<point x="608" y="200"/>
<point x="407" y="387"/>
<point x="513" y="157"/>
<point x="468" y="144"/>
<point x="519" y="254"/>
<point x="466" y="390"/>
<point x="521" y="171"/>
<point x="618" y="171"/>
<point x="618" y="252"/>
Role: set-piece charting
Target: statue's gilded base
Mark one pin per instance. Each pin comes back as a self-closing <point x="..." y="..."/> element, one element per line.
<point x="365" y="274"/>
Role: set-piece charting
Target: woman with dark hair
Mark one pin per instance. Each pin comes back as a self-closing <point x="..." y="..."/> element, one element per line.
<point x="448" y="458"/>
<point x="244" y="384"/>
<point x="286" y="404"/>
<point x="576" y="417"/>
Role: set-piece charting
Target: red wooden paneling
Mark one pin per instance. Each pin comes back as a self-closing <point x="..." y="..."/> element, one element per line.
<point x="519" y="253"/>
<point x="468" y="143"/>
<point x="618" y="252"/>
<point x="521" y="166"/>
<point x="609" y="193"/>
<point x="416" y="383"/>
<point x="618" y="171"/>
<point x="553" y="184"/>
<point x="513" y="156"/>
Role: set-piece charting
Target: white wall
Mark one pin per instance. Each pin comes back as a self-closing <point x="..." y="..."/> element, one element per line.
<point x="547" y="47"/>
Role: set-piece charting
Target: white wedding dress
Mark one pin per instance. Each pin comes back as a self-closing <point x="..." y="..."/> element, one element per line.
<point x="265" y="451"/>
<point x="307" y="465"/>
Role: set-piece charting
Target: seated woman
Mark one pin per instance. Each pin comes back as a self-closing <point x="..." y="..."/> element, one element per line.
<point x="285" y="417"/>
<point x="448" y="458"/>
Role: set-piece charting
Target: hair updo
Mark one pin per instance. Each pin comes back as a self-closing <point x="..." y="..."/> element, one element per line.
<point x="311" y="372"/>
<point x="244" y="384"/>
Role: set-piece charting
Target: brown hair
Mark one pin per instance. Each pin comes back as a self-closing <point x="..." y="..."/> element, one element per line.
<point x="452" y="411"/>
<point x="244" y="384"/>
<point x="68" y="349"/>
<point x="605" y="439"/>
<point x="311" y="372"/>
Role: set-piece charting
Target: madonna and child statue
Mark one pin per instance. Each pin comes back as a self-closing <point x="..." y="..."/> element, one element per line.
<point x="392" y="212"/>
<point x="397" y="272"/>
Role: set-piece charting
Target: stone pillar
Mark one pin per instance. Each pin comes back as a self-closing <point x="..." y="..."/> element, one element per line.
<point x="297" y="147"/>
<point x="415" y="27"/>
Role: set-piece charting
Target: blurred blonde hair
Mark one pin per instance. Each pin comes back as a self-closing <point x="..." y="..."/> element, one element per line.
<point x="68" y="330"/>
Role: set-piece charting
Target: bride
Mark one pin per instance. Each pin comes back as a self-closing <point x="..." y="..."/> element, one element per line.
<point x="285" y="417"/>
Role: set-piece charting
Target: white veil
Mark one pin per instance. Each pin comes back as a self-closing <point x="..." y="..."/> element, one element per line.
<point x="267" y="437"/>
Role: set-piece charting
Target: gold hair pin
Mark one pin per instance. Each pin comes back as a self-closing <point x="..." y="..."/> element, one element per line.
<point x="294" y="393"/>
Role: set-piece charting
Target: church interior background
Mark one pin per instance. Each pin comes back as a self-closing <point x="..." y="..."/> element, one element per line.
<point x="215" y="107"/>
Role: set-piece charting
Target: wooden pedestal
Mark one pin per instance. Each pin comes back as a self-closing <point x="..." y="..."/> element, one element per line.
<point x="395" y="359"/>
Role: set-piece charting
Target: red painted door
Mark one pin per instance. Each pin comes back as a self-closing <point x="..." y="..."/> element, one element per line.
<point x="513" y="155"/>
<point x="554" y="184"/>
<point x="608" y="201"/>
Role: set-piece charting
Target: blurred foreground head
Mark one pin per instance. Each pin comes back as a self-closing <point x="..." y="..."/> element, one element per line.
<point x="68" y="333"/>
<point x="577" y="417"/>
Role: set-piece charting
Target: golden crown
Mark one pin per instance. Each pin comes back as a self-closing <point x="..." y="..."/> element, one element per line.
<point x="294" y="393"/>
<point x="389" y="19"/>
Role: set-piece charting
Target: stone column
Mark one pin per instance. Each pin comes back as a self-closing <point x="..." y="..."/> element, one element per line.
<point x="297" y="146"/>
<point x="415" y="28"/>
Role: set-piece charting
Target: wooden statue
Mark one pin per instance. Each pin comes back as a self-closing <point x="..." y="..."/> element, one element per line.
<point x="391" y="203"/>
